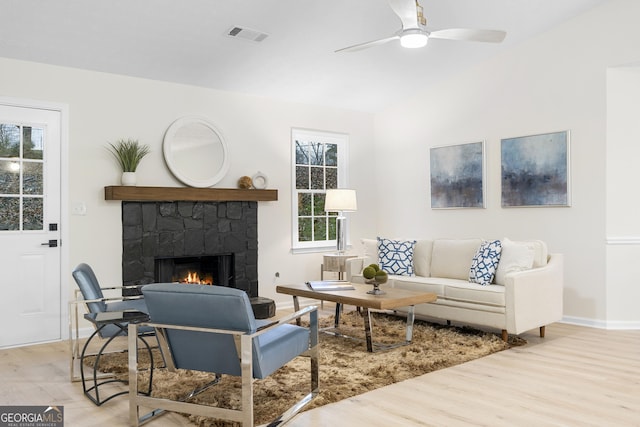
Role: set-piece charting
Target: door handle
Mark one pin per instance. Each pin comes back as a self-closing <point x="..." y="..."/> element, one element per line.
<point x="51" y="243"/>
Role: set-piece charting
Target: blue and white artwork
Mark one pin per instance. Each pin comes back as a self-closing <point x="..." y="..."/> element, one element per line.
<point x="535" y="170"/>
<point x="457" y="176"/>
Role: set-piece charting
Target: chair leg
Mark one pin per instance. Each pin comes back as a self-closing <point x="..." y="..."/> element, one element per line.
<point x="542" y="331"/>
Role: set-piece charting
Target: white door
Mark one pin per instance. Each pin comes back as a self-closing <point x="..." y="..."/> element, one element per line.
<point x="30" y="287"/>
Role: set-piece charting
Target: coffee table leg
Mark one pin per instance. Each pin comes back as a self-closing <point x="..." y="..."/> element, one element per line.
<point x="410" y="318"/>
<point x="296" y="307"/>
<point x="367" y="329"/>
<point x="336" y="321"/>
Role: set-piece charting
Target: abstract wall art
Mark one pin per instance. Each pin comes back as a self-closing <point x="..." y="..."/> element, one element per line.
<point x="457" y="176"/>
<point x="535" y="170"/>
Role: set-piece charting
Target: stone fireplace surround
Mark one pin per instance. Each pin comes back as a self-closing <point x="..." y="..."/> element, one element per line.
<point x="192" y="228"/>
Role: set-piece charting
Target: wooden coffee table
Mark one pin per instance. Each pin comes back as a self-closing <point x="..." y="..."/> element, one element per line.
<point x="393" y="298"/>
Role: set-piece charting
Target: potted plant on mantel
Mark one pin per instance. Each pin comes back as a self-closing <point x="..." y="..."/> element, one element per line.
<point x="128" y="153"/>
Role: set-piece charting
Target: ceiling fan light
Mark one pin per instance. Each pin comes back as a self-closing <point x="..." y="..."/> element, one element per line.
<point x="413" y="40"/>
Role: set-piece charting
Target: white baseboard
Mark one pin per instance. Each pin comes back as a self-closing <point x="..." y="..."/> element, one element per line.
<point x="601" y="324"/>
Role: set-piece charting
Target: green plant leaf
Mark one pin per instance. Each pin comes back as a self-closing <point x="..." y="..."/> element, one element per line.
<point x="128" y="153"/>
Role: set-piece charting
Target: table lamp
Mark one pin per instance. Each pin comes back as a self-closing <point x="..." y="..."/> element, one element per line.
<point x="340" y="200"/>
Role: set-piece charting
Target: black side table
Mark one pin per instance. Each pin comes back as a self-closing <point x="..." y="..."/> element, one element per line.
<point x="121" y="319"/>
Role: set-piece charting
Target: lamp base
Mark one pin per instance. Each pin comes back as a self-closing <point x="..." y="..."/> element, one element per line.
<point x="341" y="234"/>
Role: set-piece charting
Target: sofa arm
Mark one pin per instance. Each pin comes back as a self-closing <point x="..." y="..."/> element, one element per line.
<point x="354" y="266"/>
<point x="533" y="297"/>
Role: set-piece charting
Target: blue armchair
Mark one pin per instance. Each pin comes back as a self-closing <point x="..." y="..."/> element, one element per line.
<point x="213" y="329"/>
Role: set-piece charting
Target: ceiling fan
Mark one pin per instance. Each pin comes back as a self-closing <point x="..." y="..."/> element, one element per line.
<point x="414" y="31"/>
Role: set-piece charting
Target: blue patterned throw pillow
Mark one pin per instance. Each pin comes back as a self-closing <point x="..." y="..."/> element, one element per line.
<point x="396" y="256"/>
<point x="485" y="262"/>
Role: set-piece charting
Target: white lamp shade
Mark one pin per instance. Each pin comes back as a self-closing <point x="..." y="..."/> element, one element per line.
<point x="340" y="200"/>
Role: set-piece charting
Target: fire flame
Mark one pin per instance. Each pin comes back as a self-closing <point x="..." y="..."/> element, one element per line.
<point x="193" y="278"/>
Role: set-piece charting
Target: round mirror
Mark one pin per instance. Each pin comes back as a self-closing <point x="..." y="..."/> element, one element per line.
<point x="195" y="152"/>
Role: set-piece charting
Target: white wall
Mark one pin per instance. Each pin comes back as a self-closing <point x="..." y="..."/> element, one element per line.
<point x="623" y="204"/>
<point x="554" y="82"/>
<point x="105" y="107"/>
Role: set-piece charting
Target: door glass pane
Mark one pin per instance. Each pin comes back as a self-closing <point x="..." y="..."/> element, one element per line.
<point x="21" y="174"/>
<point x="9" y="140"/>
<point x="32" y="213"/>
<point x="32" y="177"/>
<point x="9" y="177"/>
<point x="33" y="141"/>
<point x="9" y="213"/>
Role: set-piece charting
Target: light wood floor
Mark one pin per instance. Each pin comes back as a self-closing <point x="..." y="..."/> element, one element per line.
<point x="576" y="376"/>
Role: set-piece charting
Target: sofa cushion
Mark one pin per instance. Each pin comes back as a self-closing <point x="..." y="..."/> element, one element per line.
<point x="396" y="256"/>
<point x="474" y="293"/>
<point x="451" y="258"/>
<point x="423" y="284"/>
<point x="485" y="261"/>
<point x="516" y="256"/>
<point x="422" y="257"/>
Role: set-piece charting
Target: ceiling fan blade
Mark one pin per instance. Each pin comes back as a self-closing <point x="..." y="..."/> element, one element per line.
<point x="367" y="45"/>
<point x="489" y="36"/>
<point x="406" y="11"/>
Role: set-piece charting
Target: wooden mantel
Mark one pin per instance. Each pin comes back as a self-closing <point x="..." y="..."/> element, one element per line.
<point x="173" y="194"/>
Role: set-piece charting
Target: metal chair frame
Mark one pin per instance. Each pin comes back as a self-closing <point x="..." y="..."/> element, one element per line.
<point x="74" y="330"/>
<point x="244" y="347"/>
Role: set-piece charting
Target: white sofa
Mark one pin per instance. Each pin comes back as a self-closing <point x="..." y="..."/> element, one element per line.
<point x="525" y="294"/>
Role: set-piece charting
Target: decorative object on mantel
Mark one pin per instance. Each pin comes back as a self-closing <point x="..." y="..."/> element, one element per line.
<point x="196" y="152"/>
<point x="245" y="182"/>
<point x="375" y="276"/>
<point x="260" y="181"/>
<point x="128" y="153"/>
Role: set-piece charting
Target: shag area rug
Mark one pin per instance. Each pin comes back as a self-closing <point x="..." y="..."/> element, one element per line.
<point x="346" y="368"/>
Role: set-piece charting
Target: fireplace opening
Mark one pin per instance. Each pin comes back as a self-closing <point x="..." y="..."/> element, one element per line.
<point x="204" y="270"/>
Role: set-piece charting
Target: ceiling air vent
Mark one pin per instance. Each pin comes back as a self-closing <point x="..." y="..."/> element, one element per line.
<point x="246" y="34"/>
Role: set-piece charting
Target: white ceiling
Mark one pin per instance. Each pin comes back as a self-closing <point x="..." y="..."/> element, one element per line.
<point x="185" y="41"/>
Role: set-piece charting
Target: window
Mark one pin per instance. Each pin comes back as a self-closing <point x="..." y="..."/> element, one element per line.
<point x="320" y="163"/>
<point x="21" y="177"/>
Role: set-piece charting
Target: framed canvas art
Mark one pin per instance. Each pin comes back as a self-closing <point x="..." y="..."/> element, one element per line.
<point x="457" y="176"/>
<point x="535" y="170"/>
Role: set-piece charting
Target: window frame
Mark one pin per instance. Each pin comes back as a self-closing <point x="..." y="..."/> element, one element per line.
<point x="342" y="142"/>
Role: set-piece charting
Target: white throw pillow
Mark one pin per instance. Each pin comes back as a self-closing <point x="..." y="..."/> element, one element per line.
<point x="515" y="256"/>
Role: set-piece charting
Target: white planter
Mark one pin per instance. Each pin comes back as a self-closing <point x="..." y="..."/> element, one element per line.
<point x="128" y="178"/>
